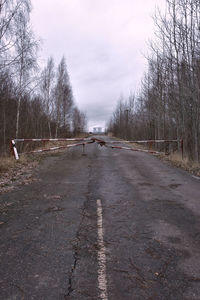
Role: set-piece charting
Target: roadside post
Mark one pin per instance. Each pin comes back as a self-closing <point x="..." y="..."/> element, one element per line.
<point x="14" y="149"/>
<point x="150" y="145"/>
<point x="83" y="151"/>
<point x="182" y="146"/>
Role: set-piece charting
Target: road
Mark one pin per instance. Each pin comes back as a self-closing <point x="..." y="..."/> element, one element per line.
<point x="111" y="225"/>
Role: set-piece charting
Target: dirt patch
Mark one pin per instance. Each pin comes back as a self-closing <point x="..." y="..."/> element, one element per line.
<point x="174" y="186"/>
<point x="54" y="209"/>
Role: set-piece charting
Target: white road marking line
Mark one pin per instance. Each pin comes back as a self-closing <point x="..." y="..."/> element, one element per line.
<point x="196" y="177"/>
<point x="102" y="281"/>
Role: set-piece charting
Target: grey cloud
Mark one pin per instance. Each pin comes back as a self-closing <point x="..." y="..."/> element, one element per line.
<point x="103" y="43"/>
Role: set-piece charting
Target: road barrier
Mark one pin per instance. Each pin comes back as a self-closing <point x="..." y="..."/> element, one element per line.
<point x="16" y="154"/>
<point x="50" y="140"/>
<point x="145" y="141"/>
<point x="150" y="143"/>
<point x="133" y="149"/>
<point x="85" y="141"/>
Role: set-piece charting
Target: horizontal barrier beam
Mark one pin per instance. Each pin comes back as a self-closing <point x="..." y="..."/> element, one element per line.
<point x="133" y="149"/>
<point x="59" y="147"/>
<point x="146" y="141"/>
<point x="50" y="140"/>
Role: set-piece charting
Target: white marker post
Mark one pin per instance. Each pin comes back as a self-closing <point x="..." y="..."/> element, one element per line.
<point x="14" y="149"/>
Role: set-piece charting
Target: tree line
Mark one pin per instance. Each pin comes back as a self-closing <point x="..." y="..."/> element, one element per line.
<point x="34" y="102"/>
<point x="168" y="103"/>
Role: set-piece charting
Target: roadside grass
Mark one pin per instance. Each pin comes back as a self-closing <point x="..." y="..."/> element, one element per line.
<point x="6" y="163"/>
<point x="186" y="164"/>
<point x="14" y="173"/>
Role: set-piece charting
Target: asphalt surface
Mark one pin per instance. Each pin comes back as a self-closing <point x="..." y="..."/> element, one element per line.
<point x="50" y="244"/>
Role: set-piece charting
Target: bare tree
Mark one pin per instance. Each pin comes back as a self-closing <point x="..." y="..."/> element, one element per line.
<point x="9" y="11"/>
<point x="168" y="105"/>
<point x="79" y="121"/>
<point x="47" y="86"/>
<point x="63" y="99"/>
<point x="25" y="109"/>
<point x="26" y="49"/>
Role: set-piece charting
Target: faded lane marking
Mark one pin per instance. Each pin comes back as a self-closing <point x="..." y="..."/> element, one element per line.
<point x="102" y="281"/>
<point x="196" y="177"/>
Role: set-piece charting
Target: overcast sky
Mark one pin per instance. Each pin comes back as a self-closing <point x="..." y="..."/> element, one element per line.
<point x="103" y="41"/>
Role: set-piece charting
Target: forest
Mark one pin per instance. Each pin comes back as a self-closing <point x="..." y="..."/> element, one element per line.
<point x="167" y="105"/>
<point x="35" y="101"/>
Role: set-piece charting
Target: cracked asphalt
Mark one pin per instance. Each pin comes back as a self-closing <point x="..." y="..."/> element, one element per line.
<point x="151" y="224"/>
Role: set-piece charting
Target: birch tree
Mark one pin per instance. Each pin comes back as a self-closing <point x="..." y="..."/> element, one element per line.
<point x="26" y="49"/>
<point x="63" y="99"/>
<point x="47" y="86"/>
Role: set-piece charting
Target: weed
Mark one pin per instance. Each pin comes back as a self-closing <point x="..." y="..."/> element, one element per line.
<point x="6" y="163"/>
<point x="186" y="164"/>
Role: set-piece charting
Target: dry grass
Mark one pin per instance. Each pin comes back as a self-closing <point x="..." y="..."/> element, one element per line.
<point x="186" y="164"/>
<point x="15" y="173"/>
<point x="6" y="163"/>
<point x="9" y="162"/>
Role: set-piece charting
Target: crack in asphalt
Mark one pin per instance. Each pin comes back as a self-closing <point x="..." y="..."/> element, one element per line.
<point x="75" y="254"/>
<point x="78" y="239"/>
